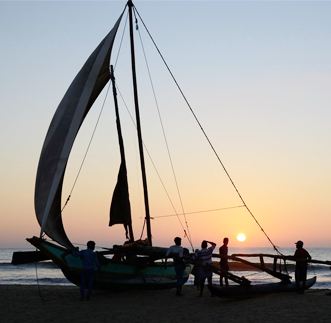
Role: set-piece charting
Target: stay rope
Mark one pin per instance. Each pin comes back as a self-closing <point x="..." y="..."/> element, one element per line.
<point x="43" y="299"/>
<point x="187" y="233"/>
<point x="92" y="135"/>
<point x="203" y="211"/>
<point x="95" y="127"/>
<point x="155" y="169"/>
<point x="206" y="136"/>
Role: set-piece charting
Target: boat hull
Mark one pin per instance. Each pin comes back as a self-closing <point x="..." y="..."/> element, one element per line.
<point x="114" y="275"/>
<point x="235" y="291"/>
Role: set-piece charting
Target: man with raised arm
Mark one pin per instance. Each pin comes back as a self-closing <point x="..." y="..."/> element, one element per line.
<point x="204" y="257"/>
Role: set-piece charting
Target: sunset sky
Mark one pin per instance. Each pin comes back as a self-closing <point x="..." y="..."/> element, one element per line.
<point x="257" y="76"/>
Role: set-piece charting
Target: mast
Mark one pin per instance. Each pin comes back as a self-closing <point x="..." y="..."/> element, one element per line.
<point x="122" y="177"/>
<point x="141" y="151"/>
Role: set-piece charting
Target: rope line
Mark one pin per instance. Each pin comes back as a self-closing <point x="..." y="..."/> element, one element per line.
<point x="205" y="211"/>
<point x="94" y="130"/>
<point x="38" y="284"/>
<point x="207" y="138"/>
<point x="85" y="155"/>
<point x="165" y="139"/>
<point x="121" y="42"/>
<point x="151" y="160"/>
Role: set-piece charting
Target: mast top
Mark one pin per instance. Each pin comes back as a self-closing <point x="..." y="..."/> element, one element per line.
<point x="139" y="132"/>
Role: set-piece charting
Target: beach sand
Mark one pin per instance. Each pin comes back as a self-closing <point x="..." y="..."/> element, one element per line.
<point x="20" y="303"/>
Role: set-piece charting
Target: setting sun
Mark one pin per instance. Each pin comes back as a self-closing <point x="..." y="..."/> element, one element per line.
<point x="241" y="237"/>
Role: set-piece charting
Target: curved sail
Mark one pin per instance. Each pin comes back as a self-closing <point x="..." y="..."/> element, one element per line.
<point x="61" y="135"/>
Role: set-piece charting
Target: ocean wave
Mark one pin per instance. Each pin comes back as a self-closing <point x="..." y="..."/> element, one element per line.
<point x="40" y="281"/>
<point x="44" y="264"/>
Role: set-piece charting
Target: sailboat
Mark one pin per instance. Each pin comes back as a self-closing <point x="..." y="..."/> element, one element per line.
<point x="137" y="264"/>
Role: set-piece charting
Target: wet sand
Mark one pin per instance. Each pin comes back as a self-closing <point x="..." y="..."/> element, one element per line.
<point x="20" y="303"/>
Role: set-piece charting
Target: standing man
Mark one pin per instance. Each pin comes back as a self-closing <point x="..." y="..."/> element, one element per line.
<point x="301" y="266"/>
<point x="176" y="252"/>
<point x="204" y="259"/>
<point x="224" y="265"/>
<point x="89" y="258"/>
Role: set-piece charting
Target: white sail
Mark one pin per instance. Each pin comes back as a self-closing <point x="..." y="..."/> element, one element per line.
<point x="61" y="135"/>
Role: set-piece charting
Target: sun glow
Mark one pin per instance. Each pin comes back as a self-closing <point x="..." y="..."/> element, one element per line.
<point x="241" y="237"/>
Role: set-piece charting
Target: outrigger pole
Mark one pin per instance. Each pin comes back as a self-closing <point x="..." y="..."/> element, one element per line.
<point x="285" y="278"/>
<point x="141" y="150"/>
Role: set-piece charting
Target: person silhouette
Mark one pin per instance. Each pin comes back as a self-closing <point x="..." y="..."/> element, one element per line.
<point x="89" y="258"/>
<point x="204" y="257"/>
<point x="224" y="265"/>
<point x="176" y="251"/>
<point x="301" y="265"/>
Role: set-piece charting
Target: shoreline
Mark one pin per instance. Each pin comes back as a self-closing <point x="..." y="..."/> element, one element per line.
<point x="33" y="303"/>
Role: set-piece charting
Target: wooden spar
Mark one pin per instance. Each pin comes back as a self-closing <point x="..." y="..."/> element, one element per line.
<point x="239" y="280"/>
<point x="320" y="262"/>
<point x="255" y="255"/>
<point x="273" y="272"/>
<point x="141" y="150"/>
<point x="276" y="257"/>
<point x="216" y="270"/>
<point x="277" y="274"/>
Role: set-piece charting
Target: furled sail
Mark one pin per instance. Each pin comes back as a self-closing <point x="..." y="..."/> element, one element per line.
<point x="120" y="209"/>
<point x="61" y="135"/>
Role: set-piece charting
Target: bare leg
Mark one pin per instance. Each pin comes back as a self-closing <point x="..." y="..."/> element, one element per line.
<point x="202" y="286"/>
<point x="210" y="282"/>
<point x="226" y="280"/>
<point x="303" y="286"/>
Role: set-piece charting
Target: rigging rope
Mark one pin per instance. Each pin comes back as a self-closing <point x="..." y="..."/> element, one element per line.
<point x="207" y="138"/>
<point x="85" y="155"/>
<point x="205" y="211"/>
<point x="38" y="284"/>
<point x="151" y="160"/>
<point x="95" y="128"/>
<point x="97" y="122"/>
<point x="187" y="234"/>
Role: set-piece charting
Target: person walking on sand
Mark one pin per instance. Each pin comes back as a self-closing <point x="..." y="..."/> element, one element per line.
<point x="203" y="257"/>
<point x="89" y="258"/>
<point x="301" y="266"/>
<point x="224" y="265"/>
<point x="176" y="251"/>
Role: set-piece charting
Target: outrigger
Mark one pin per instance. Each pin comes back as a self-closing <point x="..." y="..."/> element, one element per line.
<point x="275" y="269"/>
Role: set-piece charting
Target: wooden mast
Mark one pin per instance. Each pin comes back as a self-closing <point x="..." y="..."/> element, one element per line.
<point x="141" y="150"/>
<point x="121" y="145"/>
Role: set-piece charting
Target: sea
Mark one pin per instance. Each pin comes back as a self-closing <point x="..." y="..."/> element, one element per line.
<point x="47" y="273"/>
